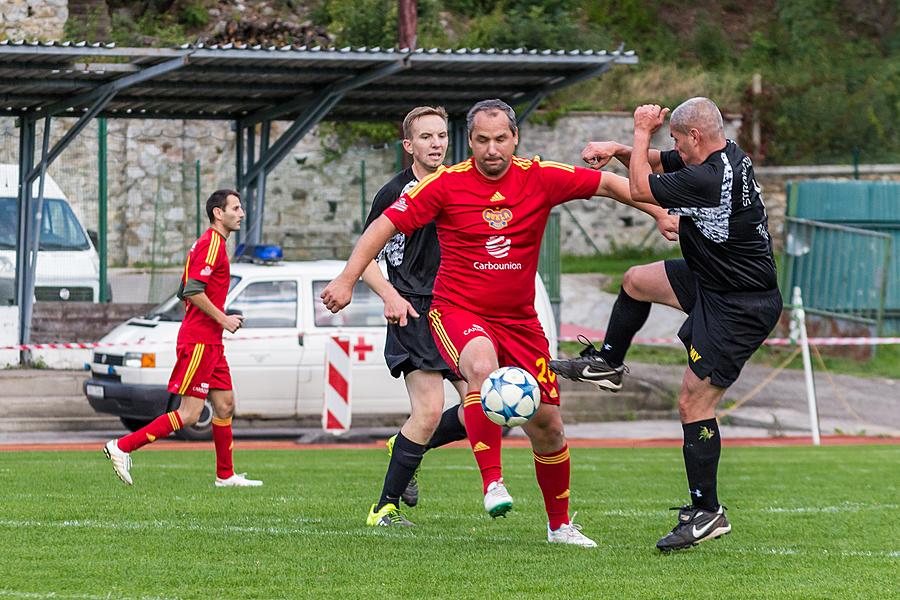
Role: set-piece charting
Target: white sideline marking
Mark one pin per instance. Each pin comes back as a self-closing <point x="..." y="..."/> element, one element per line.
<point x="843" y="508"/>
<point x="67" y="596"/>
<point x="847" y="507"/>
<point x="236" y="529"/>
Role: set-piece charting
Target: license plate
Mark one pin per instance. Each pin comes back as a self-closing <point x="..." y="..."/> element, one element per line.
<point x="94" y="391"/>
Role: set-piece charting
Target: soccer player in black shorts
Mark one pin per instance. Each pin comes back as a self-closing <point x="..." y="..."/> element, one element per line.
<point x="409" y="349"/>
<point x="726" y="284"/>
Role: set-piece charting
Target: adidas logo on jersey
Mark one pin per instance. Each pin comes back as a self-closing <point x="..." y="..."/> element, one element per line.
<point x="498" y="197"/>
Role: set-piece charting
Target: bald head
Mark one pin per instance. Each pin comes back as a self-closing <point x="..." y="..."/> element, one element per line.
<point x="701" y="114"/>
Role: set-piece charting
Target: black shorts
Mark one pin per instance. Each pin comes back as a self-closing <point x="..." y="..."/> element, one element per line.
<point x="412" y="348"/>
<point x="723" y="328"/>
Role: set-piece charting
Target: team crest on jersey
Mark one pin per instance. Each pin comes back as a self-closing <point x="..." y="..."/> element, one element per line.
<point x="498" y="219"/>
<point x="207" y="271"/>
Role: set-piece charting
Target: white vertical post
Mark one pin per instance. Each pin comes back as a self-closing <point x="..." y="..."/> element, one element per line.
<point x="336" y="409"/>
<point x="798" y="317"/>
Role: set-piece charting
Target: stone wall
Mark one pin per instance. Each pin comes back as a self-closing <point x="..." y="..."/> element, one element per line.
<point x="33" y="19"/>
<point x="607" y="223"/>
<point x="314" y="199"/>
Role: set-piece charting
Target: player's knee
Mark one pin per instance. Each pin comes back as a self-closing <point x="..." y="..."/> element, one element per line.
<point x="225" y="410"/>
<point x="427" y="417"/>
<point x="633" y="282"/>
<point x="188" y="417"/>
<point x="480" y="368"/>
<point x="690" y="405"/>
<point x="549" y="436"/>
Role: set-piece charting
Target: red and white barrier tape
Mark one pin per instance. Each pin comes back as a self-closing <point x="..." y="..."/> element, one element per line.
<point x="91" y="345"/>
<point x="818" y="341"/>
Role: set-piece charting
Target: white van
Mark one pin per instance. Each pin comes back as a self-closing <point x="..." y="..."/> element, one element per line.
<point x="277" y="358"/>
<point x="68" y="267"/>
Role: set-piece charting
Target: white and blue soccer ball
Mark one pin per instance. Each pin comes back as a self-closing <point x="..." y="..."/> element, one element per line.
<point x="510" y="396"/>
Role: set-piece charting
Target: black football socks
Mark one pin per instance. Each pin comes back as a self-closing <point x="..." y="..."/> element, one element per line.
<point x="405" y="459"/>
<point x="449" y="429"/>
<point x="702" y="448"/>
<point x="627" y="318"/>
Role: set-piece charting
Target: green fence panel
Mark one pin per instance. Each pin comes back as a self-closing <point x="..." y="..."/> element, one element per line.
<point x="845" y="270"/>
<point x="549" y="263"/>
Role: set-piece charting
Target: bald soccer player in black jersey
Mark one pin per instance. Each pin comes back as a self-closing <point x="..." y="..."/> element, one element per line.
<point x="726" y="284"/>
<point x="409" y="350"/>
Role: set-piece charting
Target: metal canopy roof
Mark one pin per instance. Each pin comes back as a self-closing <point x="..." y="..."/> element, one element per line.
<point x="255" y="84"/>
<point x="252" y="86"/>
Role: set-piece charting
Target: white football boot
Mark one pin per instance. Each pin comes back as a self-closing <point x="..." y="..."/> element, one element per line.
<point x="497" y="501"/>
<point x="121" y="461"/>
<point x="238" y="480"/>
<point x="570" y="533"/>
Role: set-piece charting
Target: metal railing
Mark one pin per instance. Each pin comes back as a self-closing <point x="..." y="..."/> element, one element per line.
<point x="842" y="271"/>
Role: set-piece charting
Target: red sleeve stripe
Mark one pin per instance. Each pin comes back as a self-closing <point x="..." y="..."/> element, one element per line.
<point x="425" y="181"/>
<point x="557" y="165"/>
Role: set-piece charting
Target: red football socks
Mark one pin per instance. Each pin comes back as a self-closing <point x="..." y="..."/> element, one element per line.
<point x="224" y="442"/>
<point x="485" y="438"/>
<point x="552" y="472"/>
<point x="159" y="428"/>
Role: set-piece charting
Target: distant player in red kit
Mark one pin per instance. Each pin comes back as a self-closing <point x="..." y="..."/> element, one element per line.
<point x="200" y="370"/>
<point x="490" y="212"/>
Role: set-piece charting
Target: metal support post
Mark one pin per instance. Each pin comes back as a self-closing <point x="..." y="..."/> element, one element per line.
<point x="254" y="233"/>
<point x="362" y="195"/>
<point x="197" y="196"/>
<point x="102" y="202"/>
<point x="27" y="134"/>
<point x="459" y="147"/>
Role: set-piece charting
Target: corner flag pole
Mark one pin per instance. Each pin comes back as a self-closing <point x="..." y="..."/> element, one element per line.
<point x="798" y="330"/>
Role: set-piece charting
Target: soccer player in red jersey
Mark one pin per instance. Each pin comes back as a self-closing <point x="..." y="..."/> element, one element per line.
<point x="490" y="212"/>
<point x="200" y="370"/>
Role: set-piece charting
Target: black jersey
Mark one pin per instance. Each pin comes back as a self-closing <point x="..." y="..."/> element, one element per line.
<point x="724" y="228"/>
<point x="412" y="261"/>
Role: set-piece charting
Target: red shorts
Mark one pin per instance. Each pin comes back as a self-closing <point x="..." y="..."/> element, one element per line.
<point x="521" y="344"/>
<point x="198" y="369"/>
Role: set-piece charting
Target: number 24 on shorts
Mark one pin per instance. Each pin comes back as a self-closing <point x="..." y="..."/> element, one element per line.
<point x="544" y="375"/>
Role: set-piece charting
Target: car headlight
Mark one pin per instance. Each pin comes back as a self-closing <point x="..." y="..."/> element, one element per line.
<point x="140" y="360"/>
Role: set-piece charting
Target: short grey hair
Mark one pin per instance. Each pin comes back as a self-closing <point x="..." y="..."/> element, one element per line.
<point x="698" y="113"/>
<point x="491" y="106"/>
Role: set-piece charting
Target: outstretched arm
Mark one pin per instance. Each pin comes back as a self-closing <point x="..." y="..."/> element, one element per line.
<point x="598" y="154"/>
<point x="339" y="292"/>
<point x="617" y="187"/>
<point x="396" y="307"/>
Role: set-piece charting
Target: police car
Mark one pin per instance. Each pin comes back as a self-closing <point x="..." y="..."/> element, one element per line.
<point x="277" y="357"/>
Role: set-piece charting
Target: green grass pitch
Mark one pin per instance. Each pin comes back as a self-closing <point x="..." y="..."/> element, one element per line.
<point x="807" y="523"/>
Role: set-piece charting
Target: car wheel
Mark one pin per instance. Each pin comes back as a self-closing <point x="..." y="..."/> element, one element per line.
<point x="202" y="429"/>
<point x="133" y="424"/>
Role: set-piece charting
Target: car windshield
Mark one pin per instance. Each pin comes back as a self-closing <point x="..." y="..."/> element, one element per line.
<point x="173" y="308"/>
<point x="60" y="229"/>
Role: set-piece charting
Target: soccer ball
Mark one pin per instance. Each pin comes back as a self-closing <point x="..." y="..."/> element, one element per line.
<point x="510" y="396"/>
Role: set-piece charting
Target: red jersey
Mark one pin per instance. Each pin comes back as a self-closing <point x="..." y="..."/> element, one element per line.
<point x="489" y="230"/>
<point x="207" y="261"/>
